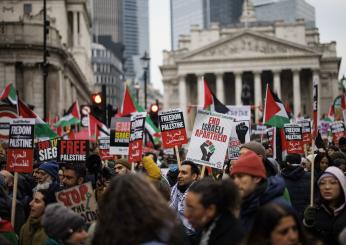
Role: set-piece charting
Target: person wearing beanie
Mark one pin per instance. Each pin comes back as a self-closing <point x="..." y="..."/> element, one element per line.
<point x="297" y="182"/>
<point x="47" y="177"/>
<point x="122" y="166"/>
<point x="328" y="218"/>
<point x="63" y="226"/>
<point x="255" y="188"/>
<point x="32" y="231"/>
<point x="73" y="174"/>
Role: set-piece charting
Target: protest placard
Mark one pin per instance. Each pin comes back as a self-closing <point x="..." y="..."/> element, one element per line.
<point x="210" y="138"/>
<point x="294" y="138"/>
<point x="270" y="132"/>
<point x="20" y="151"/>
<point x="120" y="136"/>
<point x="104" y="147"/>
<point x="136" y="137"/>
<point x="338" y="131"/>
<point x="47" y="150"/>
<point x="240" y="134"/>
<point x="306" y="129"/>
<point x="172" y="128"/>
<point x="73" y="150"/>
<point x="80" y="199"/>
<point x="324" y="128"/>
<point x="240" y="113"/>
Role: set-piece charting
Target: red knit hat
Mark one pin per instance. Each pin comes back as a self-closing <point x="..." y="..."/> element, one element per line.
<point x="249" y="163"/>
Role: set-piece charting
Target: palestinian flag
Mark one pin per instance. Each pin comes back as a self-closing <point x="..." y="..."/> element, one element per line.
<point x="42" y="129"/>
<point x="211" y="102"/>
<point x="97" y="128"/>
<point x="9" y="94"/>
<point x="71" y="117"/>
<point x="131" y="105"/>
<point x="275" y="113"/>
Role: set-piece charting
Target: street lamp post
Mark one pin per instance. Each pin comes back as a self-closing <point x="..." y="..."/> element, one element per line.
<point x="145" y="64"/>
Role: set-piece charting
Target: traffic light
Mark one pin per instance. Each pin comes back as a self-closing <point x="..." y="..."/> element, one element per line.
<point x="98" y="102"/>
<point x="154" y="113"/>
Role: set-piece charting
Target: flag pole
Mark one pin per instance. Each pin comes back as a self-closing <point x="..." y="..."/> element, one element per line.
<point x="178" y="156"/>
<point x="14" y="199"/>
<point x="315" y="124"/>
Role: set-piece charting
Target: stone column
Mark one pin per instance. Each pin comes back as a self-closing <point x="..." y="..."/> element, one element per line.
<point x="238" y="87"/>
<point x="258" y="93"/>
<point x="200" y="90"/>
<point x="75" y="29"/>
<point x="277" y="83"/>
<point x="183" y="100"/>
<point x="296" y="93"/>
<point x="220" y="90"/>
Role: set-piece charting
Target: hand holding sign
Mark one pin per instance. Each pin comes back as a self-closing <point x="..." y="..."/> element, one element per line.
<point x="241" y="130"/>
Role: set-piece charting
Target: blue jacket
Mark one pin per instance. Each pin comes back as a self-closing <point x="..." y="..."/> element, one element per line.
<point x="298" y="185"/>
<point x="268" y="191"/>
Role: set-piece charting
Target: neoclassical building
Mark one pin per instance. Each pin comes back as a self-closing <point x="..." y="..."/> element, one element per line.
<point x="70" y="76"/>
<point x="239" y="61"/>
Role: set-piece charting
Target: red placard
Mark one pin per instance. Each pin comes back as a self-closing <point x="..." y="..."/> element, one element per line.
<point x="136" y="137"/>
<point x="20" y="160"/>
<point x="294" y="138"/>
<point x="306" y="130"/>
<point x="338" y="131"/>
<point x="172" y="128"/>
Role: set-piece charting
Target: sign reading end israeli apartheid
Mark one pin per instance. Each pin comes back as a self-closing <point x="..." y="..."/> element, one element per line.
<point x="80" y="199"/>
<point x="172" y="128"/>
<point x="338" y="131"/>
<point x="294" y="138"/>
<point x="73" y="150"/>
<point x="120" y="136"/>
<point x="136" y="137"/>
<point x="20" y="151"/>
<point x="209" y="139"/>
<point x="240" y="134"/>
<point x="47" y="150"/>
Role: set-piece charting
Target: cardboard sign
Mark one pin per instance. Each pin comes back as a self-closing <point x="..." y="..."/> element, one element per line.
<point x="73" y="150"/>
<point x="172" y="128"/>
<point x="259" y="130"/>
<point x="338" y="131"/>
<point x="120" y="136"/>
<point x="306" y="129"/>
<point x="210" y="138"/>
<point x="47" y="150"/>
<point x="136" y="137"/>
<point x="270" y="132"/>
<point x="20" y="153"/>
<point x="81" y="200"/>
<point x="294" y="138"/>
<point x="240" y="134"/>
<point x="104" y="148"/>
<point x="240" y="113"/>
<point x="324" y="128"/>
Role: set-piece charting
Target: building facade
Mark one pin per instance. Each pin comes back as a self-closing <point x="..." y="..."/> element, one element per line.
<point x="69" y="47"/>
<point x="108" y="71"/>
<point x="288" y="56"/>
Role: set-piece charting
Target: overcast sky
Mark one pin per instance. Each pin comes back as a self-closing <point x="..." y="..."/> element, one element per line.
<point x="330" y="19"/>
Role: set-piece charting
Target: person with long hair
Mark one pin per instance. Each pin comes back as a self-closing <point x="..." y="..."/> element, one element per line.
<point x="276" y="225"/>
<point x="211" y="208"/>
<point x="328" y="218"/>
<point x="322" y="162"/>
<point x="133" y="212"/>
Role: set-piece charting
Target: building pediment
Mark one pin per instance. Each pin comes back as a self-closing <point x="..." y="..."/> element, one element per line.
<point x="249" y="44"/>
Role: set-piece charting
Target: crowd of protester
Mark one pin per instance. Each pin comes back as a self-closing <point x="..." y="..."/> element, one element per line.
<point x="253" y="200"/>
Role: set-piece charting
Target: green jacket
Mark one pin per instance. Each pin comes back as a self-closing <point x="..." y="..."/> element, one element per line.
<point x="32" y="233"/>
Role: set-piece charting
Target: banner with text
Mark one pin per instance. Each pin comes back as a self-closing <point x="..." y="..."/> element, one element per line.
<point x="120" y="136"/>
<point x="240" y="113"/>
<point x="104" y="148"/>
<point x="210" y="138"/>
<point x="240" y="134"/>
<point x="136" y="137"/>
<point x="294" y="138"/>
<point x="306" y="129"/>
<point x="20" y="152"/>
<point x="81" y="200"/>
<point x="172" y="128"/>
<point x="73" y="150"/>
<point x="338" y="131"/>
<point x="47" y="150"/>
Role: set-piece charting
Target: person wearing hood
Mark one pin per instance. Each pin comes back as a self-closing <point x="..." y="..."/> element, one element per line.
<point x="297" y="182"/>
<point x="328" y="218"/>
<point x="255" y="188"/>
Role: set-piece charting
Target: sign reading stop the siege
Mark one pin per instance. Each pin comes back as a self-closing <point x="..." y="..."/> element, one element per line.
<point x="20" y="151"/>
<point x="73" y="150"/>
<point x="172" y="128"/>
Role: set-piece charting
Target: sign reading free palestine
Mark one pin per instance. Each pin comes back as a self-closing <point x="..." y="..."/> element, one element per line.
<point x="209" y="139"/>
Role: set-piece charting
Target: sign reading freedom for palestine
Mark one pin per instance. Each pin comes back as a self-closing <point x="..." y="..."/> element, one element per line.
<point x="73" y="150"/>
<point x="136" y="137"/>
<point x="209" y="139"/>
<point x="20" y="151"/>
<point x="172" y="128"/>
<point x="294" y="138"/>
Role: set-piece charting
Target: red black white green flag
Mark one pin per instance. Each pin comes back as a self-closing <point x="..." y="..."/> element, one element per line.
<point x="211" y="102"/>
